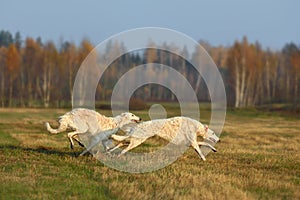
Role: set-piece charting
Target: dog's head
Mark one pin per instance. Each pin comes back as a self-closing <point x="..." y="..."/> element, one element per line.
<point x="128" y="117"/>
<point x="208" y="134"/>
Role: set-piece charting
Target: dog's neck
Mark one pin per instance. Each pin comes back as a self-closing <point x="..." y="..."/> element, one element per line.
<point x="201" y="131"/>
<point x="106" y="122"/>
<point x="118" y="120"/>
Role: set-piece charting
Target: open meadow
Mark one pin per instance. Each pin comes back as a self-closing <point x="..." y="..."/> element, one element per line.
<point x="258" y="158"/>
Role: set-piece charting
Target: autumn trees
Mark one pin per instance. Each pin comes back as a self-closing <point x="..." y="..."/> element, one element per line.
<point x="290" y="78"/>
<point x="35" y="73"/>
<point x="244" y="64"/>
<point x="263" y="76"/>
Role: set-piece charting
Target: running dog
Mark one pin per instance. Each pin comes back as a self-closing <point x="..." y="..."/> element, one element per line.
<point x="177" y="130"/>
<point x="82" y="121"/>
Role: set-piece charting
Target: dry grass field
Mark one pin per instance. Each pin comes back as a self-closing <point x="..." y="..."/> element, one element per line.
<point x="258" y="158"/>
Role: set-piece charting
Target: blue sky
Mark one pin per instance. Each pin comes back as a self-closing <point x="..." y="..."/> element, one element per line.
<point x="220" y="22"/>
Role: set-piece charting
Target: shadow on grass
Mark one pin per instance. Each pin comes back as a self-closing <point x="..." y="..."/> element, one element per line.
<point x="42" y="150"/>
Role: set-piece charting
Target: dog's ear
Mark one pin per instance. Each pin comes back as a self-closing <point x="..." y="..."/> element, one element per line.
<point x="205" y="128"/>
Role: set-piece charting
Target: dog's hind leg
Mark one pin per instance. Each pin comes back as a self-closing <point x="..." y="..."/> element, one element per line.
<point x="76" y="138"/>
<point x="71" y="136"/>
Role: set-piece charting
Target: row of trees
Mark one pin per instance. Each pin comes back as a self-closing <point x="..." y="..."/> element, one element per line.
<point x="260" y="76"/>
<point x="36" y="73"/>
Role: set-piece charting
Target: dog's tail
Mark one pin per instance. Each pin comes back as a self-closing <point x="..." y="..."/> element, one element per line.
<point x="54" y="131"/>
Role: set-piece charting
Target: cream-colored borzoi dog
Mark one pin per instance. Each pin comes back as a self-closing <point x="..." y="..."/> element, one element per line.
<point x="83" y="121"/>
<point x="177" y="130"/>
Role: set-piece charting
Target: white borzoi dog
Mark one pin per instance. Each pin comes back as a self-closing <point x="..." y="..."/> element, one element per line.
<point x="177" y="130"/>
<point x="82" y="121"/>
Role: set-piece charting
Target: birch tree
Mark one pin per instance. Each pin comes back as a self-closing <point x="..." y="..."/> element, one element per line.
<point x="13" y="66"/>
<point x="45" y="79"/>
<point x="3" y="74"/>
<point x="295" y="61"/>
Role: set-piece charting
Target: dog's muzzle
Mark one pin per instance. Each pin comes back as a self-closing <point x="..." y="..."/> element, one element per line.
<point x="137" y="121"/>
<point x="214" y="139"/>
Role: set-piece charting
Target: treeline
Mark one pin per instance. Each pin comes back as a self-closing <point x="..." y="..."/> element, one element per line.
<point x="34" y="73"/>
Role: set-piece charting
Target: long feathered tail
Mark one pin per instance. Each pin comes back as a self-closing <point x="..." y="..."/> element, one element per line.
<point x="54" y="131"/>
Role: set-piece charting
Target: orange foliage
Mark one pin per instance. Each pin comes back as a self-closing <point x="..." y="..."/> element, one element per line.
<point x="12" y="59"/>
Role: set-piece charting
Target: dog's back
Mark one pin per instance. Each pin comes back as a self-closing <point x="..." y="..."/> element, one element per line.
<point x="81" y="119"/>
<point x="175" y="130"/>
<point x="178" y="130"/>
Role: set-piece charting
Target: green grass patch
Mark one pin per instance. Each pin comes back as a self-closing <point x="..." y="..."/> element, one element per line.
<point x="258" y="158"/>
